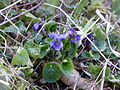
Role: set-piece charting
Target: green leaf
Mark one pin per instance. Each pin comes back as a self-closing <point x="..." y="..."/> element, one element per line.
<point x="44" y="50"/>
<point x="22" y="86"/>
<point x="21" y="58"/>
<point x="67" y="67"/>
<point x="47" y="11"/>
<point x="5" y="3"/>
<point x="51" y="27"/>
<point x="67" y="45"/>
<point x="87" y="25"/>
<point x="4" y="77"/>
<point x="100" y="34"/>
<point x="115" y="78"/>
<point x="5" y="68"/>
<point x="95" y="70"/>
<point x="79" y="7"/>
<point x="101" y="45"/>
<point x="86" y="54"/>
<point x="97" y="1"/>
<point x="3" y="86"/>
<point x="91" y="54"/>
<point x="38" y="38"/>
<point x="44" y="12"/>
<point x="29" y="15"/>
<point x="116" y="6"/>
<point x="72" y="51"/>
<point x="53" y="2"/>
<point x="13" y="12"/>
<point x="51" y="72"/>
<point x="13" y="29"/>
<point x="29" y="44"/>
<point x="94" y="55"/>
<point x="34" y="51"/>
<point x="30" y="0"/>
<point x="48" y="40"/>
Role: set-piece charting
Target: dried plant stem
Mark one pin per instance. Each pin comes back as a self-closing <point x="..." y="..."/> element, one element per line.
<point x="22" y="13"/>
<point x="13" y="25"/>
<point x="10" y="6"/>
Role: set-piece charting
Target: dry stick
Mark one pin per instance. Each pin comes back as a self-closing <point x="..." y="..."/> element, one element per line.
<point x="10" y="6"/>
<point x="39" y="31"/>
<point x="107" y="31"/>
<point x="25" y="38"/>
<point x="22" y="13"/>
<point x="97" y="79"/>
<point x="32" y="2"/>
<point x="10" y="37"/>
<point x="104" y="69"/>
<point x="14" y="25"/>
<point x="14" y="73"/>
<point x="5" y="44"/>
<point x="19" y="33"/>
<point x="105" y="65"/>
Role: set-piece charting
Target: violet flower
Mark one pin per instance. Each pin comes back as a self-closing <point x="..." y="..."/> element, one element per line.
<point x="91" y="36"/>
<point x="37" y="26"/>
<point x="74" y="37"/>
<point x="57" y="43"/>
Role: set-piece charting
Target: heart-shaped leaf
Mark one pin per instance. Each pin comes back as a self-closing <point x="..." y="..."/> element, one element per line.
<point x="21" y="57"/>
<point x="73" y="50"/>
<point x="51" y="27"/>
<point x="67" y="67"/>
<point x="116" y="6"/>
<point x="51" y="72"/>
<point x="79" y="7"/>
<point x="13" y="29"/>
<point x="95" y="70"/>
<point x="44" y="50"/>
<point x="5" y="3"/>
<point x="34" y="51"/>
<point x="100" y="34"/>
<point x="101" y="45"/>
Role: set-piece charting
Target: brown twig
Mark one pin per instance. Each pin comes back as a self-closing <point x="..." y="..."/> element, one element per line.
<point x="10" y="6"/>
<point x="22" y="13"/>
<point x="32" y="2"/>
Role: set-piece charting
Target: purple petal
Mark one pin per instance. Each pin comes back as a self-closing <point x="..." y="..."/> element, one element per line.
<point x="53" y="35"/>
<point x="90" y="35"/>
<point x="71" y="40"/>
<point x="63" y="36"/>
<point x="57" y="45"/>
<point x="40" y="24"/>
<point x="77" y="38"/>
<point x="42" y="19"/>
<point x="73" y="30"/>
<point x="52" y="43"/>
<point x="35" y="26"/>
<point x="87" y="42"/>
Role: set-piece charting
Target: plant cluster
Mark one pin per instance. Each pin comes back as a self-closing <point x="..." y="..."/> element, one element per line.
<point x="50" y="40"/>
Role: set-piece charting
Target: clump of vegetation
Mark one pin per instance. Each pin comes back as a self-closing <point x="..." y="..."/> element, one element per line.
<point x="59" y="44"/>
